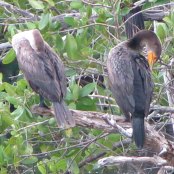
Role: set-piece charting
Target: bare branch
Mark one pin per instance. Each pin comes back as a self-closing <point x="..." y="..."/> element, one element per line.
<point x="145" y="10"/>
<point x="166" y="169"/>
<point x="112" y="160"/>
<point x="162" y="108"/>
<point x="155" y="141"/>
<point x="96" y="5"/>
<point x="85" y="118"/>
<point x="5" y="46"/>
<point x="14" y="9"/>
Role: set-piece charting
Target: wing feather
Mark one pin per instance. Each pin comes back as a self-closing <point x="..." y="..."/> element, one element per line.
<point x="44" y="72"/>
<point x="148" y="84"/>
<point x="121" y="78"/>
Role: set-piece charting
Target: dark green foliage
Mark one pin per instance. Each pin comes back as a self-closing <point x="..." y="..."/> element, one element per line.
<point x="30" y="143"/>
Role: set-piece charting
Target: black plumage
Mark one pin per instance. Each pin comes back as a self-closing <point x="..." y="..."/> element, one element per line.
<point x="135" y="22"/>
<point x="130" y="79"/>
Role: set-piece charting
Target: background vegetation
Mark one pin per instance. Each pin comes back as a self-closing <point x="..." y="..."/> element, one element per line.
<point x="81" y="32"/>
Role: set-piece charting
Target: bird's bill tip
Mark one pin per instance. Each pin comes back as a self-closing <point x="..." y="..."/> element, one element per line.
<point x="152" y="58"/>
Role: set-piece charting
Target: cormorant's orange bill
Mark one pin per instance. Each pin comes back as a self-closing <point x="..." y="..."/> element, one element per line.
<point x="152" y="58"/>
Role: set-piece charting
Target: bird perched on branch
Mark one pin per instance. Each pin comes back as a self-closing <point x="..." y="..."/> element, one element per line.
<point x="44" y="71"/>
<point x="130" y="78"/>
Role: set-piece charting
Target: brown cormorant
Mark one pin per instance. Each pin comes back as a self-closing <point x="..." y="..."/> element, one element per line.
<point x="44" y="71"/>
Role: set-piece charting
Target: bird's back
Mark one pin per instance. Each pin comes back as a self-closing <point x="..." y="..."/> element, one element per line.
<point x="44" y="72"/>
<point x="130" y="79"/>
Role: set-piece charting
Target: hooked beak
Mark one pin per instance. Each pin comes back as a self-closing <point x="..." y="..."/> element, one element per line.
<point x="152" y="58"/>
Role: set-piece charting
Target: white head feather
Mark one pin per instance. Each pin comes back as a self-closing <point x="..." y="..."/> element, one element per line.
<point x="33" y="36"/>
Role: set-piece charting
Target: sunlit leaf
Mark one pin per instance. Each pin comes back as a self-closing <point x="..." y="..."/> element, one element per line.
<point x="42" y="168"/>
<point x="1" y="77"/>
<point x="31" y="25"/>
<point x="59" y="43"/>
<point x="18" y="112"/>
<point x="9" y="89"/>
<point x="10" y="56"/>
<point x="89" y="11"/>
<point x="75" y="91"/>
<point x="71" y="47"/>
<point x="86" y="104"/>
<point x="86" y="90"/>
<point x="29" y="160"/>
<point x="161" y="30"/>
<point x="76" y="4"/>
<point x="50" y="2"/>
<point x="44" y="21"/>
<point x="70" y="21"/>
<point x="75" y="168"/>
<point x="5" y="122"/>
<point x="36" y="4"/>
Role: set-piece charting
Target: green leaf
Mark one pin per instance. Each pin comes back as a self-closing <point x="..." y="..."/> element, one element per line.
<point x="3" y="170"/>
<point x="36" y="4"/>
<point x="44" y="21"/>
<point x="86" y="90"/>
<point x="5" y="122"/>
<point x="75" y="92"/>
<point x="1" y="155"/>
<point x="168" y="21"/>
<point x="71" y="46"/>
<point x="59" y="43"/>
<point x="1" y="77"/>
<point x="69" y="96"/>
<point x="22" y="84"/>
<point x="70" y="21"/>
<point x="75" y="168"/>
<point x="118" y="7"/>
<point x="62" y="164"/>
<point x="12" y="29"/>
<point x="86" y="104"/>
<point x="70" y="72"/>
<point x="161" y="30"/>
<point x="31" y="25"/>
<point x="50" y="2"/>
<point x="124" y="11"/>
<point x="10" y="56"/>
<point x="18" y="112"/>
<point x="41" y="167"/>
<point x="9" y="88"/>
<point x="29" y="160"/>
<point x="52" y="121"/>
<point x="89" y="11"/>
<point x="76" y="5"/>
<point x="12" y="100"/>
<point x="72" y="105"/>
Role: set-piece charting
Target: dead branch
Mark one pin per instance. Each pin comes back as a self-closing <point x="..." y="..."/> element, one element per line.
<point x="115" y="160"/>
<point x="85" y="118"/>
<point x="162" y="108"/>
<point x="166" y="169"/>
<point x="155" y="141"/>
<point x="11" y="8"/>
<point x="5" y="46"/>
<point x="28" y="16"/>
<point x="154" y="15"/>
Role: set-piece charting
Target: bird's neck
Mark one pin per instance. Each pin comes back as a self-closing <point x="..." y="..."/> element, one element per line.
<point x="136" y="43"/>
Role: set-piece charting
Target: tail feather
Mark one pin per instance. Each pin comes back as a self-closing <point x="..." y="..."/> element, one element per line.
<point x="63" y="115"/>
<point x="138" y="131"/>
